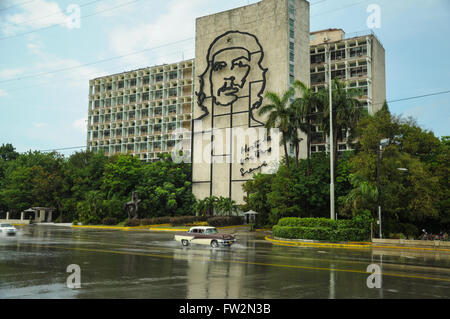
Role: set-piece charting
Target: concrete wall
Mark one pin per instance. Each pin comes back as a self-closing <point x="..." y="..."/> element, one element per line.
<point x="268" y="22"/>
<point x="378" y="74"/>
<point x="333" y="34"/>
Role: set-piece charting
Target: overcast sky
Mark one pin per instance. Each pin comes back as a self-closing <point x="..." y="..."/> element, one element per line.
<point x="46" y="63"/>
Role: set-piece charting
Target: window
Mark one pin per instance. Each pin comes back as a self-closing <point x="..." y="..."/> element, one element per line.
<point x="159" y="94"/>
<point x="317" y="78"/>
<point x="120" y="100"/>
<point x="97" y="103"/>
<point x="291" y="69"/>
<point x="173" y="92"/>
<point x="145" y="96"/>
<point x="146" y="80"/>
<point x="173" y="75"/>
<point x="133" y="82"/>
<point x="120" y="84"/>
<point x="318" y="58"/>
<point x="291" y="33"/>
<point x="291" y="56"/>
<point x="172" y="109"/>
<point x="159" y="78"/>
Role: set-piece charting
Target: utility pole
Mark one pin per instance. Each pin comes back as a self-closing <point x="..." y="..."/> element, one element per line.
<point x="330" y="89"/>
<point x="379" y="188"/>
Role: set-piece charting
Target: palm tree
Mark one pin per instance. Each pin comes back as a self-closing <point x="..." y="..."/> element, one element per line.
<point x="303" y="108"/>
<point x="347" y="111"/>
<point x="226" y="206"/>
<point x="279" y="116"/>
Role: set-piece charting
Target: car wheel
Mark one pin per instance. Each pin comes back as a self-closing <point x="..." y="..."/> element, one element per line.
<point x="214" y="244"/>
<point x="184" y="242"/>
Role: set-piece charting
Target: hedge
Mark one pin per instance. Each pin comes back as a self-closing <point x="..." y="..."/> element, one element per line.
<point x="183" y="220"/>
<point x="109" y="221"/>
<point x="307" y="222"/>
<point x="219" y="221"/>
<point x="320" y="233"/>
<point x="356" y="229"/>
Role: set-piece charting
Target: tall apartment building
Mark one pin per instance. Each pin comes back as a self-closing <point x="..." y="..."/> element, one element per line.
<point x="359" y="60"/>
<point x="137" y="112"/>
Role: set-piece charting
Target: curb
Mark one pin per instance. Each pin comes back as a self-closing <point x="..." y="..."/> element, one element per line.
<point x="368" y="245"/>
<point x="309" y="244"/>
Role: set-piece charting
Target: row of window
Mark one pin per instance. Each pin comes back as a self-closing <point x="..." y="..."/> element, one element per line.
<point x="133" y="82"/>
<point x="340" y="54"/>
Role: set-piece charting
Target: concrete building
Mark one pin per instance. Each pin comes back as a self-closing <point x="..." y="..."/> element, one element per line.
<point x="357" y="59"/>
<point x="210" y="103"/>
<point x="240" y="55"/>
<point x="138" y="112"/>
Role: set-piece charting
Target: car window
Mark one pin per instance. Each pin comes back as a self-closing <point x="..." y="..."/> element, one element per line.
<point x="6" y="225"/>
<point x="201" y="231"/>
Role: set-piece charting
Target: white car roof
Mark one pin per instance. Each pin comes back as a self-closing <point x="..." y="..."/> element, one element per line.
<point x="203" y="227"/>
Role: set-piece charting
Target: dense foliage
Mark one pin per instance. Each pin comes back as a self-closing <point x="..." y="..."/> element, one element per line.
<point x="91" y="188"/>
<point x="414" y="175"/>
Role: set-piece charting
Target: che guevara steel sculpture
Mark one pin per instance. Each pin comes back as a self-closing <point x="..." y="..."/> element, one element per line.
<point x="234" y="73"/>
<point x="132" y="206"/>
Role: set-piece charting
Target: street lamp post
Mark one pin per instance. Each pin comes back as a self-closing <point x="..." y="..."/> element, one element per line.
<point x="332" y="209"/>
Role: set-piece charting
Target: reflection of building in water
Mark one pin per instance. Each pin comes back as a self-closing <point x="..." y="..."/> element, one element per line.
<point x="212" y="279"/>
<point x="240" y="55"/>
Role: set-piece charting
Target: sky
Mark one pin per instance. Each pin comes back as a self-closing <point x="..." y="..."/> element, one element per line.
<point x="48" y="56"/>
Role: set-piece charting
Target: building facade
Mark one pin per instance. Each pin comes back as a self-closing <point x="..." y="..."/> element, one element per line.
<point x="142" y="112"/>
<point x="209" y="104"/>
<point x="240" y="55"/>
<point x="359" y="60"/>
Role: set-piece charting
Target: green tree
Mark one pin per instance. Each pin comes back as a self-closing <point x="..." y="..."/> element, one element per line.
<point x="347" y="112"/>
<point x="303" y="109"/>
<point x="279" y="116"/>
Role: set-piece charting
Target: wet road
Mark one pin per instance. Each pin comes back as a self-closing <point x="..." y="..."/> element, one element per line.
<point x="117" y="264"/>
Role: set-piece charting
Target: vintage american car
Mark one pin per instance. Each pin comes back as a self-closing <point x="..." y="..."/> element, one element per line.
<point x="205" y="235"/>
<point x="7" y="229"/>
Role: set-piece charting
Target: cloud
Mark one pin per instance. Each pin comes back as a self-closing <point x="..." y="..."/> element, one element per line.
<point x="3" y="93"/>
<point x="34" y="15"/>
<point x="178" y="23"/>
<point x="11" y="73"/>
<point x="80" y="125"/>
<point x="39" y="124"/>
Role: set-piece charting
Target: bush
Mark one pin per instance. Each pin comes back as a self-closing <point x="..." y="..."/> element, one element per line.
<point x="307" y="222"/>
<point x="109" y="221"/>
<point x="183" y="220"/>
<point x="356" y="229"/>
<point x="350" y="234"/>
<point x="155" y="220"/>
<point x="220" y="221"/>
<point x="132" y="222"/>
<point x="75" y="222"/>
<point x="320" y="233"/>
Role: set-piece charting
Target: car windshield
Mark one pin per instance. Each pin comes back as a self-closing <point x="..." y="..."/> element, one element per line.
<point x="211" y="231"/>
<point x="5" y="225"/>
